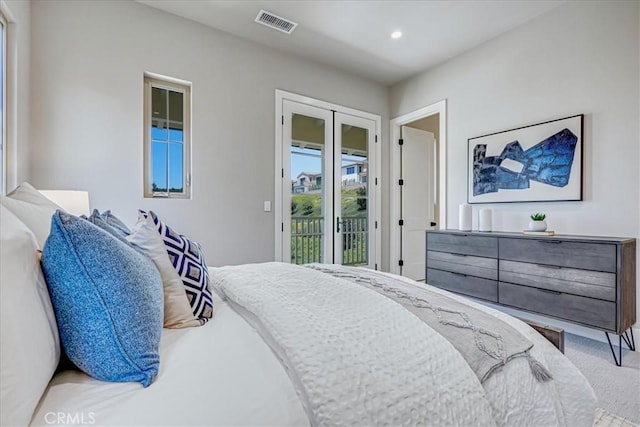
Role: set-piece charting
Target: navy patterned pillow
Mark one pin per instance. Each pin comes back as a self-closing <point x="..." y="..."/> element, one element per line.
<point x="188" y="260"/>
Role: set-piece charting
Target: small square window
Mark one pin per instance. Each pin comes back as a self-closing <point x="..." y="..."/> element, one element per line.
<point x="167" y="166"/>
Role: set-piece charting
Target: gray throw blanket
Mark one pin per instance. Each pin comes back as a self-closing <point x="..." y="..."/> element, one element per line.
<point x="485" y="342"/>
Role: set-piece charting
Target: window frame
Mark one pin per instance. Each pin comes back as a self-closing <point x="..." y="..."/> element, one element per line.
<point x="3" y="82"/>
<point x="167" y="83"/>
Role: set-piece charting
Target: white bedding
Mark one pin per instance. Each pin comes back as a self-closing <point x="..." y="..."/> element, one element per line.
<point x="219" y="374"/>
<point x="224" y="374"/>
<point x="358" y="357"/>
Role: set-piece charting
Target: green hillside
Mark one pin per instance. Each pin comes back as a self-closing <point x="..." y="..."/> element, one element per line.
<point x="354" y="203"/>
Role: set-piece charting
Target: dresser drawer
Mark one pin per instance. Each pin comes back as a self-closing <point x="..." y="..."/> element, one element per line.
<point x="550" y="251"/>
<point x="463" y="244"/>
<point x="486" y="268"/>
<point x="588" y="283"/>
<point x="587" y="311"/>
<point x="463" y="284"/>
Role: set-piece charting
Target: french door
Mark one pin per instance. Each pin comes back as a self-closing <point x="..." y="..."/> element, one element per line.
<point x="329" y="201"/>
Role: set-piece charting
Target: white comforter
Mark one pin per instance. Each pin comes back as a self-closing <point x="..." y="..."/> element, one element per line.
<point x="225" y="374"/>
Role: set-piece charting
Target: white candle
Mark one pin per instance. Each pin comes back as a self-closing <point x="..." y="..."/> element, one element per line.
<point x="465" y="217"/>
<point x="484" y="219"/>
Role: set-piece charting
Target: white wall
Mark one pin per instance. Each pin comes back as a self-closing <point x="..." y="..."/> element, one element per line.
<point x="87" y="129"/>
<point x="18" y="14"/>
<point x="579" y="58"/>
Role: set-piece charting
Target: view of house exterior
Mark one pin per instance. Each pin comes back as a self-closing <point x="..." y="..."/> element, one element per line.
<point x="307" y="181"/>
<point x="353" y="174"/>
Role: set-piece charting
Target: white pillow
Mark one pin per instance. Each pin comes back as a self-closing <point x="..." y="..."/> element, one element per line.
<point x="33" y="209"/>
<point x="177" y="311"/>
<point x="30" y="347"/>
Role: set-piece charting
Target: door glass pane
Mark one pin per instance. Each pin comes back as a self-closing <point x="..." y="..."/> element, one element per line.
<point x="307" y="189"/>
<point x="354" y="194"/>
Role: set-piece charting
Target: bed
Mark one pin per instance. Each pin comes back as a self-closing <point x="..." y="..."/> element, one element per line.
<point x="294" y="345"/>
<point x="226" y="373"/>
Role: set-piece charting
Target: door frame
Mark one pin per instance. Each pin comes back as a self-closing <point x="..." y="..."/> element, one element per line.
<point x="396" y="124"/>
<point x="375" y="190"/>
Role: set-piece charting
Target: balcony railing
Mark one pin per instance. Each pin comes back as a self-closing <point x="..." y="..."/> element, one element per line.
<point x="307" y="239"/>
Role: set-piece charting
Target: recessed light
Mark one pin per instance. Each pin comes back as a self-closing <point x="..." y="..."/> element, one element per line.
<point x="396" y="34"/>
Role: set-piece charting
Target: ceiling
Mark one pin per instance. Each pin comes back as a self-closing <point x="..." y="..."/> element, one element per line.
<point x="355" y="35"/>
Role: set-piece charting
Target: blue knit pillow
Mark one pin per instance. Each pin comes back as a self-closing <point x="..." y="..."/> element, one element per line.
<point x="98" y="220"/>
<point x="188" y="260"/>
<point x="108" y="301"/>
<point x="115" y="222"/>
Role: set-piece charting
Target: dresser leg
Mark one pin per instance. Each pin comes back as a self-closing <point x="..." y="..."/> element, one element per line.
<point x="628" y="339"/>
<point x="618" y="359"/>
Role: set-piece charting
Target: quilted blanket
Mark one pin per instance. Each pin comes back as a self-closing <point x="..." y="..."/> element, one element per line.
<point x="486" y="343"/>
<point x="355" y="356"/>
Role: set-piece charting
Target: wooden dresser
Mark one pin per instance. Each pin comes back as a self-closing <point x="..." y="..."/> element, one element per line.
<point x="590" y="281"/>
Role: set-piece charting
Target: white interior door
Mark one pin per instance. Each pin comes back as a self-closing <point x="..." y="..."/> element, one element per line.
<point x="417" y="198"/>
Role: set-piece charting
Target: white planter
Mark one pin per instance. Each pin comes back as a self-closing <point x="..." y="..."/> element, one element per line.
<point x="537" y="225"/>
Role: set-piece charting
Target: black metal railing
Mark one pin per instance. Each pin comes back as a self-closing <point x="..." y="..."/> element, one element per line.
<point x="307" y="238"/>
<point x="354" y="240"/>
<point x="307" y="234"/>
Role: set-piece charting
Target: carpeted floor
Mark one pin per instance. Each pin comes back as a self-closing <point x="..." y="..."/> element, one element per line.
<point x="617" y="388"/>
<point x="607" y="419"/>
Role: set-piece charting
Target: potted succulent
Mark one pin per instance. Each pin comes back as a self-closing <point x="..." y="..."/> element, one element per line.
<point x="537" y="222"/>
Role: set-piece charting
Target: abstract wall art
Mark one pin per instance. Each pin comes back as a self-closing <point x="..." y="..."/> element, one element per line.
<point x="541" y="162"/>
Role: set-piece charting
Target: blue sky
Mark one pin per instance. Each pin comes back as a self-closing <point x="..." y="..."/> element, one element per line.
<point x="304" y="164"/>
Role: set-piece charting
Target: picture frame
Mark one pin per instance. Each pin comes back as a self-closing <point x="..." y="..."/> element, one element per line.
<point x="536" y="163"/>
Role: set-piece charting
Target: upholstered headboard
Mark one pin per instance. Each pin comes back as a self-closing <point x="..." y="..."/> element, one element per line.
<point x="74" y="202"/>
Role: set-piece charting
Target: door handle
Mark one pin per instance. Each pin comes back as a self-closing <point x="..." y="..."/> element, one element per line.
<point x="433" y="224"/>
<point x="337" y="224"/>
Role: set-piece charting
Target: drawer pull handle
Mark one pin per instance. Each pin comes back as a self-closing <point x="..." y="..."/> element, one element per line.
<point x="549" y="291"/>
<point x="458" y="274"/>
<point x="555" y="267"/>
<point x="460" y="255"/>
<point x="554" y="242"/>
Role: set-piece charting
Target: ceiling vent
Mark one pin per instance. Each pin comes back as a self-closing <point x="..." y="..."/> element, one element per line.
<point x="276" y="22"/>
